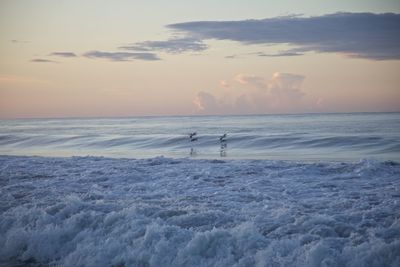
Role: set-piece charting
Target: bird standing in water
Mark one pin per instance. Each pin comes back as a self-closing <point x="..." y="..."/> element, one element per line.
<point x="222" y="140"/>
<point x="193" y="137"/>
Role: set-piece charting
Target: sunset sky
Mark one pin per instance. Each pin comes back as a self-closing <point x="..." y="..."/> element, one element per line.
<point x="131" y="58"/>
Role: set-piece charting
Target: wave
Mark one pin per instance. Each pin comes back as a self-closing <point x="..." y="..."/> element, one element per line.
<point x="96" y="211"/>
<point x="350" y="136"/>
<point x="242" y="141"/>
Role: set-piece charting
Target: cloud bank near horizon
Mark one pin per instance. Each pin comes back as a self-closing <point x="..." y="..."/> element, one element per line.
<point x="360" y="35"/>
<point x="251" y="94"/>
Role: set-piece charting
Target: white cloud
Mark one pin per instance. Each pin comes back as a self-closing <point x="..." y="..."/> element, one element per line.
<point x="252" y="94"/>
<point x="206" y="102"/>
<point x="224" y="85"/>
<point x="285" y="90"/>
<point x="250" y="79"/>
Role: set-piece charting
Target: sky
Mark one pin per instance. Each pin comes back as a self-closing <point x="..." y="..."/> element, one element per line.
<point x="145" y="58"/>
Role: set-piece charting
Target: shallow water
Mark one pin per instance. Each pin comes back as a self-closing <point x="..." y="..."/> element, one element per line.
<point x="342" y="137"/>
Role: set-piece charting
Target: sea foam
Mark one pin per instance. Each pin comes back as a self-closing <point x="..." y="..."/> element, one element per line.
<point x="95" y="211"/>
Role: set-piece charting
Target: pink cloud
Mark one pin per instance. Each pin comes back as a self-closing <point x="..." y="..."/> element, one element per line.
<point x="251" y="94"/>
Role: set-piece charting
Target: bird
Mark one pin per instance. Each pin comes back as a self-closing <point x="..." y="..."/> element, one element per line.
<point x="223" y="138"/>
<point x="193" y="137"/>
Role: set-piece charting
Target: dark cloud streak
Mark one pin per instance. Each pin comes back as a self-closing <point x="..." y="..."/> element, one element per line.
<point x="172" y="46"/>
<point x="121" y="56"/>
<point x="280" y="54"/>
<point x="19" y="41"/>
<point x="63" y="54"/>
<point x="362" y="35"/>
<point x="41" y="60"/>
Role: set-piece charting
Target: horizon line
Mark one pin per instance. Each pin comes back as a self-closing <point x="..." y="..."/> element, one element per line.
<point x="193" y="115"/>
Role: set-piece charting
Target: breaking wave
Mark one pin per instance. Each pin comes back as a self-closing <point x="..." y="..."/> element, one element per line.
<point x="95" y="211"/>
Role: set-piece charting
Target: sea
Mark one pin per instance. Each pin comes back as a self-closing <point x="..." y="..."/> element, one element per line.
<point x="277" y="190"/>
<point x="339" y="137"/>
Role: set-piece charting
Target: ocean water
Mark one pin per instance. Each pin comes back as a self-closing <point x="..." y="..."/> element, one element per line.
<point x="311" y="137"/>
<point x="288" y="190"/>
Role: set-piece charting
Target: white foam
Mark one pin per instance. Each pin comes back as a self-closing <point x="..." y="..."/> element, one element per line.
<point x="90" y="211"/>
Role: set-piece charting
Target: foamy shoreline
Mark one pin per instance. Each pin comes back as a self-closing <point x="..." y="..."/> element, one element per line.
<point x="96" y="211"/>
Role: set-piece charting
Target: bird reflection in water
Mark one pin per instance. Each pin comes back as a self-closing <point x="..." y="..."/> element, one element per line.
<point x="224" y="145"/>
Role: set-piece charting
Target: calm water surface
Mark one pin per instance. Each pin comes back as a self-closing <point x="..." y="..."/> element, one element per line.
<point x="338" y="137"/>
